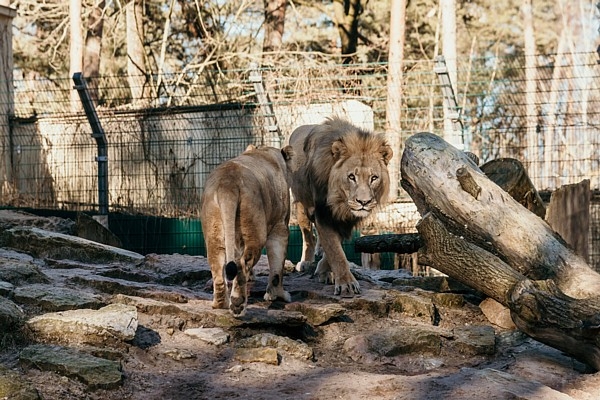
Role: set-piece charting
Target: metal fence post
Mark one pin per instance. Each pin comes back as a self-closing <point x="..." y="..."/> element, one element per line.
<point x="101" y="142"/>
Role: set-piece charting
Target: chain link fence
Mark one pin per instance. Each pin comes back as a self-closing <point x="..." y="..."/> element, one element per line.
<point x="166" y="133"/>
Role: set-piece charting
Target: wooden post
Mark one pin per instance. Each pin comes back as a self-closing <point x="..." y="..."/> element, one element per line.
<point x="569" y="215"/>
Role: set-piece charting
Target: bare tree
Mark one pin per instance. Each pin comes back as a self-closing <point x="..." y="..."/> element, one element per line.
<point x="448" y="16"/>
<point x="530" y="89"/>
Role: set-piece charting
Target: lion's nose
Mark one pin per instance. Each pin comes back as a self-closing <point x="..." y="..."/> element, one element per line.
<point x="364" y="202"/>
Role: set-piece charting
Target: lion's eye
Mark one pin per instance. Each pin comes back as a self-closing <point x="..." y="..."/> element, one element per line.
<point x="352" y="177"/>
<point x="374" y="178"/>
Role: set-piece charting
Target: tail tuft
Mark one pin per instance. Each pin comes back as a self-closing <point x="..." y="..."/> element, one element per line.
<point x="231" y="270"/>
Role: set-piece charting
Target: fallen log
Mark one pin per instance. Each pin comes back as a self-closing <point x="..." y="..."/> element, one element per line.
<point x="406" y="243"/>
<point x="476" y="233"/>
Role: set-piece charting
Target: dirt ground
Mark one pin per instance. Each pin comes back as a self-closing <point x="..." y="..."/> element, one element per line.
<point x="163" y="363"/>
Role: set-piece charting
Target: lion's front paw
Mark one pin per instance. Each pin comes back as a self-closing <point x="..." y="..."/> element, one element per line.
<point x="346" y="289"/>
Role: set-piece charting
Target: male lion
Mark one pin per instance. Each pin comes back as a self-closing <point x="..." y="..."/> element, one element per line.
<point x="338" y="176"/>
<point x="245" y="207"/>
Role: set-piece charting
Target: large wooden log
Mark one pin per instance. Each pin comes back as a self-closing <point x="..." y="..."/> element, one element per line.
<point x="406" y="243"/>
<point x="475" y="232"/>
<point x="435" y="173"/>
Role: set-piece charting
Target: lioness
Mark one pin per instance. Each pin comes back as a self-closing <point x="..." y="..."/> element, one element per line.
<point x="245" y="207"/>
<point x="338" y="176"/>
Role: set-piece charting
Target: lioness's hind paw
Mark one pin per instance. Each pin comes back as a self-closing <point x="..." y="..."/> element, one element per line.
<point x="306" y="267"/>
<point x="284" y="295"/>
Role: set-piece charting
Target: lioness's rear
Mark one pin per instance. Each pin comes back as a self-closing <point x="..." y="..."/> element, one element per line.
<point x="246" y="207"/>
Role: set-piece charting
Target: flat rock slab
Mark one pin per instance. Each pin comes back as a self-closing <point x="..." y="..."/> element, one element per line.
<point x="392" y="342"/>
<point x="11" y="316"/>
<point x="56" y="298"/>
<point x="95" y="372"/>
<point x="198" y="313"/>
<point x="108" y="326"/>
<point x="503" y="385"/>
<point x="54" y="245"/>
<point x="216" y="336"/>
<point x="294" y="348"/>
<point x="19" y="272"/>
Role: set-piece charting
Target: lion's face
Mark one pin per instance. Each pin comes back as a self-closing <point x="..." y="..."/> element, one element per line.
<point x="358" y="183"/>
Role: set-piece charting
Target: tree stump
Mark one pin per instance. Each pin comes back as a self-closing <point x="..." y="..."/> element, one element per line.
<point x="476" y="233"/>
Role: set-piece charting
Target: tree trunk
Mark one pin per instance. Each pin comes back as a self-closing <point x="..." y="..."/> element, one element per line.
<point x="93" y="48"/>
<point x="530" y="90"/>
<point x="551" y="153"/>
<point x="75" y="49"/>
<point x="479" y="235"/>
<point x="274" y="24"/>
<point x="406" y="243"/>
<point x="569" y="215"/>
<point x="448" y="16"/>
<point x="510" y="175"/>
<point x="136" y="59"/>
<point x="347" y="13"/>
<point x="394" y="90"/>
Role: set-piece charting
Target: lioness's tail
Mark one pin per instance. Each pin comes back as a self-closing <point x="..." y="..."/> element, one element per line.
<point x="228" y="199"/>
<point x="231" y="270"/>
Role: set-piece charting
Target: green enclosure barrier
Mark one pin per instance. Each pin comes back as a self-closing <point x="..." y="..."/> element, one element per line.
<point x="145" y="235"/>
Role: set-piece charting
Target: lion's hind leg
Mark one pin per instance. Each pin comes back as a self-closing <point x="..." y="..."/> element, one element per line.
<point x="276" y="252"/>
<point x="238" y="299"/>
<point x="216" y="258"/>
<point x="308" y="238"/>
<point x="323" y="271"/>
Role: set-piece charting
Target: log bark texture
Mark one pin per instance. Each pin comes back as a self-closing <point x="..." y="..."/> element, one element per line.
<point x="475" y="232"/>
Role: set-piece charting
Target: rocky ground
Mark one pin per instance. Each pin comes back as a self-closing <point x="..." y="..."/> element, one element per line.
<point x="82" y="320"/>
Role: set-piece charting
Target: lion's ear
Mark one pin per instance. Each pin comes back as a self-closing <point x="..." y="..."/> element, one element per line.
<point x="287" y="152"/>
<point x="250" y="148"/>
<point x="338" y="149"/>
<point x="386" y="153"/>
